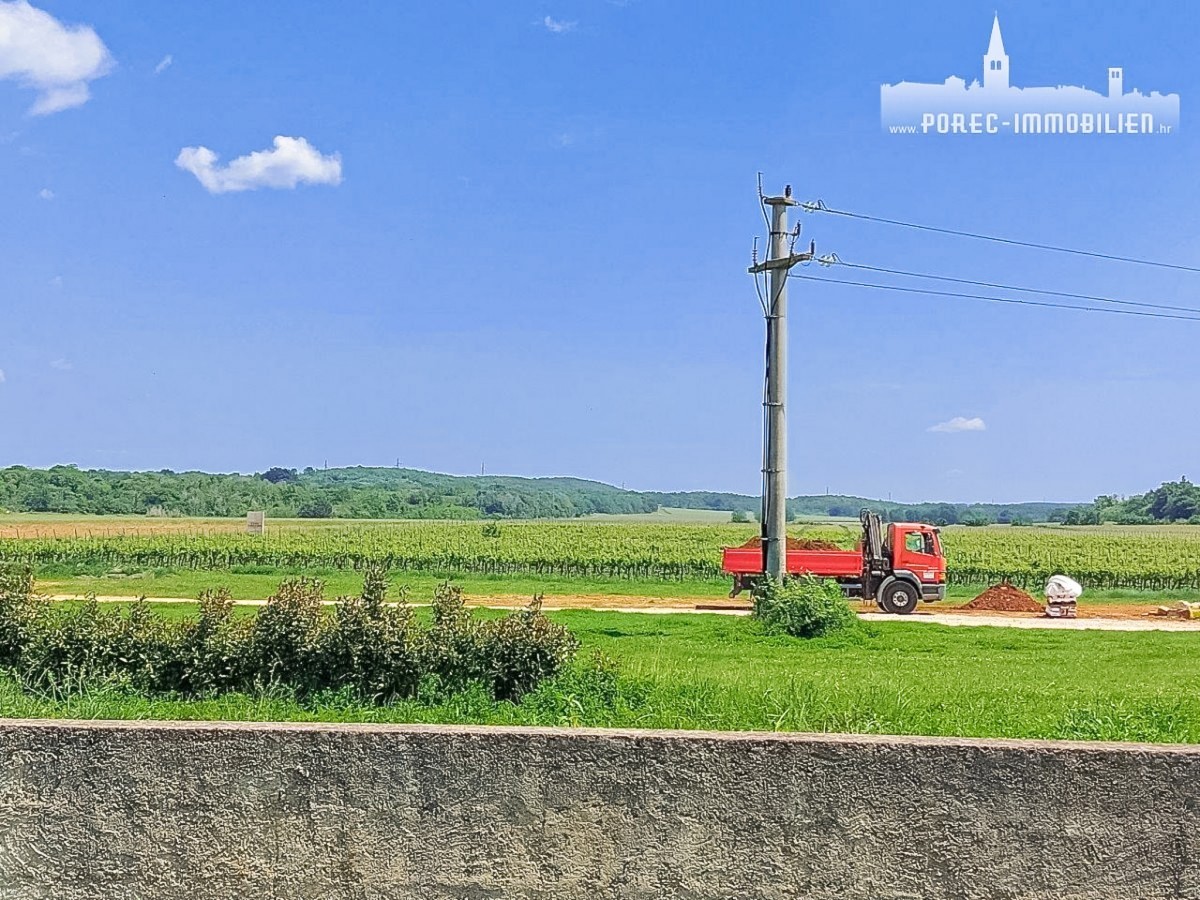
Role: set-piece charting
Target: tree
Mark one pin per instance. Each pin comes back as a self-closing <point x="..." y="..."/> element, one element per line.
<point x="944" y="514"/>
<point x="1083" y="515"/>
<point x="276" y="475"/>
<point x="317" y="508"/>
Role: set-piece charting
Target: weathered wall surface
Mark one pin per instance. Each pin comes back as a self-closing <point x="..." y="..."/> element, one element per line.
<point x="108" y="811"/>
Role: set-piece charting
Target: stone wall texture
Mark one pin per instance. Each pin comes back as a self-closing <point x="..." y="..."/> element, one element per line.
<point x="108" y="811"/>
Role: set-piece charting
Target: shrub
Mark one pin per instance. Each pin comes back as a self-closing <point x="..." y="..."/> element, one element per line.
<point x="95" y="646"/>
<point x="214" y="648"/>
<point x="285" y="642"/>
<point x="371" y="648"/>
<point x="19" y="611"/>
<point x="524" y="648"/>
<point x="803" y="606"/>
<point x="366" y="648"/>
<point x="453" y="648"/>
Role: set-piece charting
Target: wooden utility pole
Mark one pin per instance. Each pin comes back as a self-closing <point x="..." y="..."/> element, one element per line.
<point x="781" y="258"/>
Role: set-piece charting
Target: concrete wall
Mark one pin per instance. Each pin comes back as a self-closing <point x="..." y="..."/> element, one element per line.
<point x="107" y="811"/>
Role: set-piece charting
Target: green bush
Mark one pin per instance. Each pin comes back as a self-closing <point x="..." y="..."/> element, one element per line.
<point x="523" y="649"/>
<point x="803" y="606"/>
<point x="365" y="647"/>
<point x="89" y="644"/>
<point x="213" y="650"/>
<point x="373" y="649"/>
<point x="452" y="648"/>
<point x="286" y="640"/>
<point x="20" y="608"/>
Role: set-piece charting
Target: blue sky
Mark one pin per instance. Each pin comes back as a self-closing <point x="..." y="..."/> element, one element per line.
<point x="531" y="255"/>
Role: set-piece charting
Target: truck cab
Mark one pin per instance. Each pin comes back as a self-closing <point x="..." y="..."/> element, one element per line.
<point x="918" y="567"/>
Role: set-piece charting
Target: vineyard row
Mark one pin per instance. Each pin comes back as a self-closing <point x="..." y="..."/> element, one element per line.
<point x="1152" y="561"/>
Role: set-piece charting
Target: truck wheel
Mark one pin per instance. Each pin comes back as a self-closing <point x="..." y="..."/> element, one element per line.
<point x="899" y="598"/>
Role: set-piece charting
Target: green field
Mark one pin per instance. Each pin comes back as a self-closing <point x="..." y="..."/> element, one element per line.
<point x="188" y="583"/>
<point x="685" y="671"/>
<point x="596" y="553"/>
<point x="717" y="672"/>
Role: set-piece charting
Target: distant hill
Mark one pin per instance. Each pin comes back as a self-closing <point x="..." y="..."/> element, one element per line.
<point x="381" y="493"/>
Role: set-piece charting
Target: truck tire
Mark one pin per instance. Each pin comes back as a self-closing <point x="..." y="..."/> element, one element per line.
<point x="899" y="598"/>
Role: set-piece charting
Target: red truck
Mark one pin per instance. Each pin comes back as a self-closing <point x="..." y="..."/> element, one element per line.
<point x="896" y="570"/>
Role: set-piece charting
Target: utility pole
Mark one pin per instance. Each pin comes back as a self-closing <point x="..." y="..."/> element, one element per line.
<point x="781" y="258"/>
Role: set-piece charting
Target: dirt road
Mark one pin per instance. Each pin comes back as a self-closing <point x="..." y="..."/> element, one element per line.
<point x="1101" y="617"/>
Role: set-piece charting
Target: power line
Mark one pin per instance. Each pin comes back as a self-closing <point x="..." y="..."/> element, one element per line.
<point x="834" y="260"/>
<point x="819" y="206"/>
<point x="990" y="299"/>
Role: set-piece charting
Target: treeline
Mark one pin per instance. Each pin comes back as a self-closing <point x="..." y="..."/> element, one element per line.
<point x="382" y="493"/>
<point x="353" y="493"/>
<point x="1172" y="501"/>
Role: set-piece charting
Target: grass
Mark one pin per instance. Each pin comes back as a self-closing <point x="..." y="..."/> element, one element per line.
<point x="717" y="672"/>
<point x="256" y="584"/>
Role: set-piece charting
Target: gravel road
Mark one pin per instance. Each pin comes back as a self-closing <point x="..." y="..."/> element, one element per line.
<point x="676" y="607"/>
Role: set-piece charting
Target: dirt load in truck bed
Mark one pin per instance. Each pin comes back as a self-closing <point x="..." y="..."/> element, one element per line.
<point x="1006" y="598"/>
<point x="795" y="544"/>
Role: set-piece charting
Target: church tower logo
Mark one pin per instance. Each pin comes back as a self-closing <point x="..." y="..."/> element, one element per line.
<point x="993" y="105"/>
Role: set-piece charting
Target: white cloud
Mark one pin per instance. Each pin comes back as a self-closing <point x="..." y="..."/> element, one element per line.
<point x="293" y="161"/>
<point x="3" y="377"/>
<point x="959" y="423"/>
<point x="54" y="59"/>
<point x="558" y="26"/>
<point x="164" y="64"/>
<point x="63" y="365"/>
<point x="46" y="194"/>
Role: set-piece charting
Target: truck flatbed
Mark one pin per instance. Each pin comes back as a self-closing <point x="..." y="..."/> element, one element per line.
<point x="822" y="563"/>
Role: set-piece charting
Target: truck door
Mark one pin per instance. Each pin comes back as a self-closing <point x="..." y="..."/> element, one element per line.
<point x="918" y="553"/>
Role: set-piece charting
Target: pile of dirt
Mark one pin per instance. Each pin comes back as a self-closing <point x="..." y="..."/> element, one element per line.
<point x="794" y="544"/>
<point x="1006" y="598"/>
